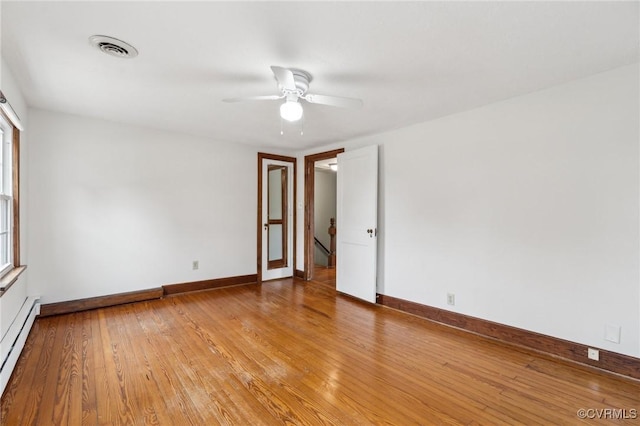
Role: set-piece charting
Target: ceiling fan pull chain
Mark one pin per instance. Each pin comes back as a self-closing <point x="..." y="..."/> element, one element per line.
<point x="281" y="130"/>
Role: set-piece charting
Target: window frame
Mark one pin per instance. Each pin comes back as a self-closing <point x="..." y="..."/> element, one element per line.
<point x="13" y="187"/>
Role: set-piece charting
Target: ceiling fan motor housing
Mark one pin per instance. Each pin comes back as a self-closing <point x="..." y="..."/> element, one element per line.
<point x="302" y="80"/>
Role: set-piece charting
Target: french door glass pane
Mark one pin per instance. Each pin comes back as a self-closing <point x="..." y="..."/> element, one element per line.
<point x="275" y="193"/>
<point x="275" y="242"/>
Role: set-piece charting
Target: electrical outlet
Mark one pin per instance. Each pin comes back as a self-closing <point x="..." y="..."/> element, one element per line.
<point x="195" y="265"/>
<point x="593" y="354"/>
<point x="451" y="299"/>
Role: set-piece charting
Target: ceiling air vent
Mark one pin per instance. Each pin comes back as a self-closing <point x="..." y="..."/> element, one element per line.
<point x="113" y="46"/>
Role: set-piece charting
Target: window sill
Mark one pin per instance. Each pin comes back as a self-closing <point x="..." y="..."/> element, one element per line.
<point x="7" y="280"/>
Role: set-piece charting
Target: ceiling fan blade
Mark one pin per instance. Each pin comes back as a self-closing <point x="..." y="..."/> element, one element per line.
<point x="254" y="98"/>
<point x="336" y="101"/>
<point x="284" y="77"/>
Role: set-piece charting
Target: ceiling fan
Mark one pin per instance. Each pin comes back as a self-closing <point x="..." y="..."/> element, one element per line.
<point x="293" y="85"/>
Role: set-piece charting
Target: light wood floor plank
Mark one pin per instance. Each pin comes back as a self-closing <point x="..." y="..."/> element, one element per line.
<point x="42" y="338"/>
<point x="89" y="413"/>
<point x="289" y="352"/>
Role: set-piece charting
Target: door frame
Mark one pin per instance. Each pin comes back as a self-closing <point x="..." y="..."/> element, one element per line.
<point x="309" y="206"/>
<point x="293" y="160"/>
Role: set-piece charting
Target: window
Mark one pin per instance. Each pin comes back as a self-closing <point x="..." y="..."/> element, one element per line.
<point x="6" y="195"/>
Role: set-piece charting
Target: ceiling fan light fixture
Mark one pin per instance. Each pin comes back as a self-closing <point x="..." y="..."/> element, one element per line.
<point x="291" y="111"/>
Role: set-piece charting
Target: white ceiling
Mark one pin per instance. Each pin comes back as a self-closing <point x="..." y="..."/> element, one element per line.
<point x="409" y="62"/>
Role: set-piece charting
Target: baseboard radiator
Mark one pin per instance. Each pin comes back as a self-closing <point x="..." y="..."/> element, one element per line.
<point x="15" y="337"/>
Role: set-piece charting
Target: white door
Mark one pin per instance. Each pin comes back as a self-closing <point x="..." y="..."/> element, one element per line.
<point x="357" y="213"/>
<point x="277" y="219"/>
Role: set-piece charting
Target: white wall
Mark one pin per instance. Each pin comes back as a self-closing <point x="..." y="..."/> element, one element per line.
<point x="116" y="208"/>
<point x="527" y="210"/>
<point x="324" y="209"/>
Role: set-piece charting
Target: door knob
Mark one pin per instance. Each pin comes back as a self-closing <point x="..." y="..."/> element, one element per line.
<point x="266" y="226"/>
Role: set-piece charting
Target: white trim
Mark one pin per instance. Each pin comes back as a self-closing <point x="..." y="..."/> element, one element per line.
<point x="286" y="271"/>
<point x="10" y="112"/>
<point x="6" y="186"/>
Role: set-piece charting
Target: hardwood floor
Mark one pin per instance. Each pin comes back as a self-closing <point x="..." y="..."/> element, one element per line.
<point x="324" y="275"/>
<point x="290" y="352"/>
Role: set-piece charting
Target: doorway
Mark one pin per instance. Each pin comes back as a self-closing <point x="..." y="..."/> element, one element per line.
<point x="276" y="216"/>
<point x="310" y="162"/>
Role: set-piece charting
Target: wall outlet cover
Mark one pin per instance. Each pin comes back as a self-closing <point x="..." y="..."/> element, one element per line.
<point x="593" y="354"/>
<point x="451" y="299"/>
<point x="612" y="333"/>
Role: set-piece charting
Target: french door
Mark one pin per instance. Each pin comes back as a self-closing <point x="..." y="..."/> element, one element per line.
<point x="276" y="216"/>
